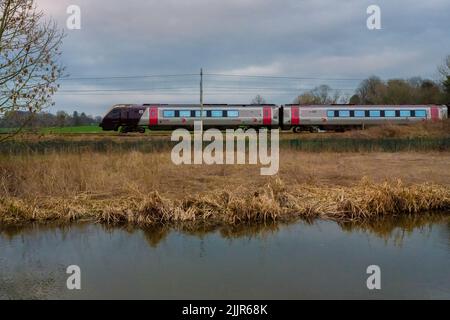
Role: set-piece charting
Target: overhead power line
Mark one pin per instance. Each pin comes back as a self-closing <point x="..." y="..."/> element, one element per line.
<point x="215" y="88"/>
<point x="130" y="77"/>
<point x="282" y="77"/>
<point x="222" y="84"/>
<point x="208" y="74"/>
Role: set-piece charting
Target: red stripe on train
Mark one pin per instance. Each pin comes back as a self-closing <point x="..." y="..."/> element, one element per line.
<point x="267" y="116"/>
<point x="434" y="113"/>
<point x="295" y="115"/>
<point x="153" y="116"/>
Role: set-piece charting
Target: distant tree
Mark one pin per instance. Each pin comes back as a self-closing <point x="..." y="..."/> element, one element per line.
<point x="326" y="95"/>
<point x="76" y="119"/>
<point x="307" y="98"/>
<point x="322" y="94"/>
<point x="430" y="92"/>
<point x="355" y="99"/>
<point x="61" y="118"/>
<point x="13" y="119"/>
<point x="444" y="70"/>
<point x="370" y="90"/>
<point x="398" y="91"/>
<point x="83" y="119"/>
<point x="29" y="51"/>
<point x="258" y="100"/>
<point x="446" y="85"/>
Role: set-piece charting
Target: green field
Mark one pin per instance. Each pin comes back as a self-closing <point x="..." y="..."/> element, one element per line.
<point x="78" y="129"/>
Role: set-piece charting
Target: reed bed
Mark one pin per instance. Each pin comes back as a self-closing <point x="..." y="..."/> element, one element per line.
<point x="110" y="175"/>
<point x="274" y="202"/>
<point x="325" y="143"/>
<point x="138" y="188"/>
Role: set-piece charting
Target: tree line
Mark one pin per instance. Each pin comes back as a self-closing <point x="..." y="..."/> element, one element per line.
<point x="373" y="90"/>
<point x="15" y="119"/>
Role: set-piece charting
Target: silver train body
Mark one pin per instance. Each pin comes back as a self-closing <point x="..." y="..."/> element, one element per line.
<point x="297" y="117"/>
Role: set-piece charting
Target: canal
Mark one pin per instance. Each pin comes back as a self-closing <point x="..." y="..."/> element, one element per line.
<point x="301" y="260"/>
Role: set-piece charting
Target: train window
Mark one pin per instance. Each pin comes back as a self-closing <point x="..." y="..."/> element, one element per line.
<point x="344" y="113"/>
<point x="115" y="113"/>
<point x="405" y="113"/>
<point x="185" y="113"/>
<point x="330" y="113"/>
<point x="374" y="113"/>
<point x="232" y="113"/>
<point x="168" y="113"/>
<point x="197" y="113"/>
<point x="421" y="113"/>
<point x="216" y="113"/>
<point x="389" y="113"/>
<point x="360" y="113"/>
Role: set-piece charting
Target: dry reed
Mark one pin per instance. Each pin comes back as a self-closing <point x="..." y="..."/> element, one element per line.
<point x="147" y="189"/>
<point x="273" y="202"/>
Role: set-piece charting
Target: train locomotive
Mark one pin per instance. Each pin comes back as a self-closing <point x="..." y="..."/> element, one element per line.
<point x="337" y="117"/>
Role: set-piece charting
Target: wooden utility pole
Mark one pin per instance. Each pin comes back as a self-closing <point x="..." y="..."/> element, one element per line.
<point x="201" y="92"/>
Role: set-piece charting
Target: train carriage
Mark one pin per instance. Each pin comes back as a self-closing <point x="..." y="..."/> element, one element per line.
<point x="172" y="116"/>
<point x="341" y="117"/>
<point x="128" y="117"/>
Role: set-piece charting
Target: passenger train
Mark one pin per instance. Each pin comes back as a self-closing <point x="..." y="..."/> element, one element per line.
<point x="338" y="117"/>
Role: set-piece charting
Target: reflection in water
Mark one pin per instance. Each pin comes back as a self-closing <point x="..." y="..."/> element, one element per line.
<point x="397" y="228"/>
<point x="305" y="259"/>
<point x="387" y="228"/>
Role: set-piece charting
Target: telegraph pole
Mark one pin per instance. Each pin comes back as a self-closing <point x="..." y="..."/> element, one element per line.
<point x="201" y="92"/>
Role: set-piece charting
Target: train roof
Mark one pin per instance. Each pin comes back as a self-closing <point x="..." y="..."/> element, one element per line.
<point x="363" y="105"/>
<point x="208" y="104"/>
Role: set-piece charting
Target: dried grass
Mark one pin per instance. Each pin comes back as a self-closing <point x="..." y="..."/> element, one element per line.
<point x="147" y="189"/>
<point x="273" y="202"/>
<point x="415" y="130"/>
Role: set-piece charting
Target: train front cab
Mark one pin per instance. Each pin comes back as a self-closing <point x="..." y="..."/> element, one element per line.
<point x="111" y="120"/>
<point x="123" y="117"/>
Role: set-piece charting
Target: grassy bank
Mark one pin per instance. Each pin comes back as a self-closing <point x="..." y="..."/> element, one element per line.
<point x="146" y="188"/>
<point x="274" y="202"/>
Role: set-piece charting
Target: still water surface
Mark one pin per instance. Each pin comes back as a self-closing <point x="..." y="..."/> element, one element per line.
<point x="294" y="261"/>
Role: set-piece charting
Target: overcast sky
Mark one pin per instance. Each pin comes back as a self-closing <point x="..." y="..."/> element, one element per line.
<point x="310" y="39"/>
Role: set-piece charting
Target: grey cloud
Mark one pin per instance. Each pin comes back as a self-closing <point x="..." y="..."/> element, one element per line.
<point x="292" y="37"/>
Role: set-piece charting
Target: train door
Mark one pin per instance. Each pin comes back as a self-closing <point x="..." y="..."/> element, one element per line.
<point x="434" y="113"/>
<point x="295" y="116"/>
<point x="267" y="116"/>
<point x="153" y="116"/>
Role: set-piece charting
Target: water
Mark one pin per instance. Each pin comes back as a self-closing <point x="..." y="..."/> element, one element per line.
<point x="295" y="261"/>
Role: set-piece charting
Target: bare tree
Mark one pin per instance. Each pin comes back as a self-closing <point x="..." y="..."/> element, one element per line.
<point x="322" y="94"/>
<point x="444" y="68"/>
<point x="29" y="52"/>
<point x="258" y="100"/>
<point x="370" y="89"/>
